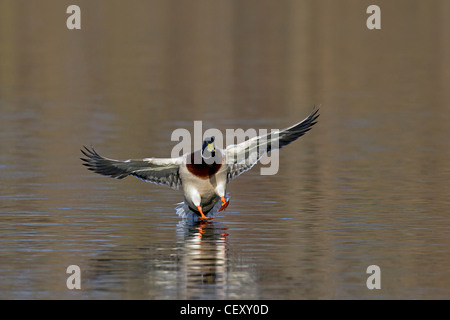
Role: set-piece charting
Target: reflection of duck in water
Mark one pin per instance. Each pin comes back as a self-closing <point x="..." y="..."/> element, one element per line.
<point x="204" y="230"/>
<point x="201" y="265"/>
<point x="205" y="259"/>
<point x="205" y="173"/>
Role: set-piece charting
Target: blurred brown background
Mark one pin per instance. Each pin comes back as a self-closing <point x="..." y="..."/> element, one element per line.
<point x="368" y="185"/>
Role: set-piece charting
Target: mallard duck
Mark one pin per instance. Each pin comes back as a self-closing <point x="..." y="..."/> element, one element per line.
<point x="204" y="181"/>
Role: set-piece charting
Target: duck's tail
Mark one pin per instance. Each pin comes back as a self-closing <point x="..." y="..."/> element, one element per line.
<point x="183" y="210"/>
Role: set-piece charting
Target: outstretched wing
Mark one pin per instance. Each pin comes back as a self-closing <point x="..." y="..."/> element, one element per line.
<point x="242" y="157"/>
<point x="160" y="171"/>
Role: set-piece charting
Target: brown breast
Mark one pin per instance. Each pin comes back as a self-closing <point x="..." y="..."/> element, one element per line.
<point x="204" y="170"/>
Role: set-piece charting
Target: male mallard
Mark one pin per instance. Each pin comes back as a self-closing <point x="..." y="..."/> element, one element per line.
<point x="204" y="182"/>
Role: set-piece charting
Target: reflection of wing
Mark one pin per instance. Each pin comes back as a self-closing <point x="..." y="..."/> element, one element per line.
<point x="244" y="156"/>
<point x="161" y="171"/>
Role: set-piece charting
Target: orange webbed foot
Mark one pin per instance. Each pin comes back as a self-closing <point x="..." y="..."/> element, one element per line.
<point x="202" y="215"/>
<point x="224" y="204"/>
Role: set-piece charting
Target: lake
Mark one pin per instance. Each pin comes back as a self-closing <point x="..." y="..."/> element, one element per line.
<point x="368" y="185"/>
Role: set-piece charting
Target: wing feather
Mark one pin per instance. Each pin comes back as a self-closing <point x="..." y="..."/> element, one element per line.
<point x="242" y="157"/>
<point x="155" y="170"/>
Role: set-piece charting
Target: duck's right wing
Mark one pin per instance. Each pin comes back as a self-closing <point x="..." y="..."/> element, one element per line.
<point x="160" y="171"/>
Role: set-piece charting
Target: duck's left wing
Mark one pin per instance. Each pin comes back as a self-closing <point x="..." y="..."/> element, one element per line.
<point x="155" y="170"/>
<point x="243" y="156"/>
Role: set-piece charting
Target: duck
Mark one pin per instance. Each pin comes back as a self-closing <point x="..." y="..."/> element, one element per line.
<point x="203" y="174"/>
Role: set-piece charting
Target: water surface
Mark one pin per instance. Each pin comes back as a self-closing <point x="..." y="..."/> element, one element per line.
<point x="368" y="185"/>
